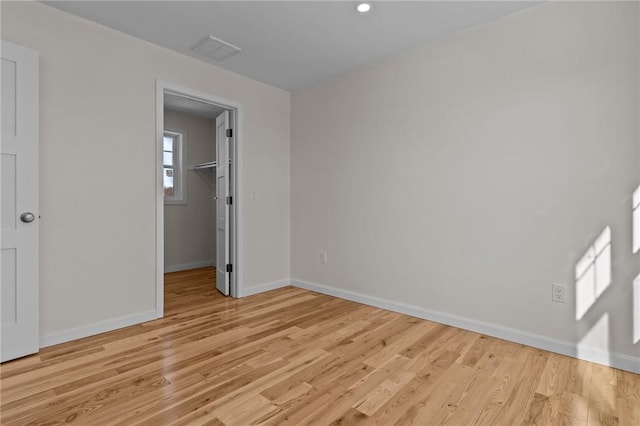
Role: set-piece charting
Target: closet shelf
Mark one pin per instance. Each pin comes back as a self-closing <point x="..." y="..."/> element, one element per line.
<point x="202" y="166"/>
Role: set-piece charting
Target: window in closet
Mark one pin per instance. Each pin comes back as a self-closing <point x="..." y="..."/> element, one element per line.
<point x="173" y="168"/>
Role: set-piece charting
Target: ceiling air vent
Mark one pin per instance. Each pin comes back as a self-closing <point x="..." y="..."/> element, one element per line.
<point x="215" y="48"/>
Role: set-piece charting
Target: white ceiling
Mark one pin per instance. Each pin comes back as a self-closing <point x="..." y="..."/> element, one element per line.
<point x="192" y="107"/>
<point x="292" y="44"/>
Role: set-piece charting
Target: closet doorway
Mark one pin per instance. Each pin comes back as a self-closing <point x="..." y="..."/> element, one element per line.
<point x="197" y="184"/>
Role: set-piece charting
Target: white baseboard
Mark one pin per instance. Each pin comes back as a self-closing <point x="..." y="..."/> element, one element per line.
<point x="96" y="328"/>
<point x="599" y="356"/>
<point x="261" y="288"/>
<point x="187" y="266"/>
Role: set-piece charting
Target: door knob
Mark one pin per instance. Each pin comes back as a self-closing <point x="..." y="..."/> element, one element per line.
<point x="27" y="217"/>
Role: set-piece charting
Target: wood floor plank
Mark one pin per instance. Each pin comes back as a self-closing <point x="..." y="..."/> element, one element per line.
<point x="376" y="398"/>
<point x="295" y="357"/>
<point x="628" y="386"/>
<point x="517" y="406"/>
<point x="628" y="413"/>
<point x="603" y="392"/>
<point x="554" y="376"/>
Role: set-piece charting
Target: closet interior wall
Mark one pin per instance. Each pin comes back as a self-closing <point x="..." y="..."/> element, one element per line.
<point x="189" y="229"/>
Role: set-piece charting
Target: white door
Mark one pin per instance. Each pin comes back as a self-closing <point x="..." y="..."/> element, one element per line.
<point x="19" y="202"/>
<point x="223" y="202"/>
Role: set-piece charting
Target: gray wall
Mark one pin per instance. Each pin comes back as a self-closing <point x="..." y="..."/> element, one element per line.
<point x="468" y="175"/>
<point x="189" y="229"/>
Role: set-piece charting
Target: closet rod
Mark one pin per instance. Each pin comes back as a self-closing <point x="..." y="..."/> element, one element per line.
<point x="201" y="166"/>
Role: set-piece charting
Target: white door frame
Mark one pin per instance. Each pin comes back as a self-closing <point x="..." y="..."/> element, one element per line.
<point x="236" y="285"/>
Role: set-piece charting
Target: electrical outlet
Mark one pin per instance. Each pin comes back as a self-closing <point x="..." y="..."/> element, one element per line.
<point x="558" y="293"/>
<point x="323" y="257"/>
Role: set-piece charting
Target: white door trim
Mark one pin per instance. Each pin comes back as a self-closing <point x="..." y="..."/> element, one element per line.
<point x="236" y="186"/>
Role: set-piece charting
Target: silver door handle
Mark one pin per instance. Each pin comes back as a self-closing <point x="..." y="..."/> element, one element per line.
<point x="27" y="217"/>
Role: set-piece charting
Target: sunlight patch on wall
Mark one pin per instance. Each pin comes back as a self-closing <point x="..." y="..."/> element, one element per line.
<point x="596" y="340"/>
<point x="593" y="273"/>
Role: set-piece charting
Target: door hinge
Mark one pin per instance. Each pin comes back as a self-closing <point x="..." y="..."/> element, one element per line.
<point x="229" y="267"/>
<point x="229" y="133"/>
<point x="229" y="200"/>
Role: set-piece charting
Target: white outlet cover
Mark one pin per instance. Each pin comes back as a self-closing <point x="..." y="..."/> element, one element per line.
<point x="558" y="293"/>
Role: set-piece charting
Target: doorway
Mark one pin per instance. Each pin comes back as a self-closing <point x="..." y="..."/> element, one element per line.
<point x="219" y="168"/>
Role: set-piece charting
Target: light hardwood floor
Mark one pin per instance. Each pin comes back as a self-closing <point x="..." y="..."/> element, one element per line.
<point x="293" y="357"/>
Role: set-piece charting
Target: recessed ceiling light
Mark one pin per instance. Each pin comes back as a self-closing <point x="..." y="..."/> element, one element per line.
<point x="363" y="7"/>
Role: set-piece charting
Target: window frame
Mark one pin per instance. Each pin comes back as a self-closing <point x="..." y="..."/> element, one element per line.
<point x="179" y="175"/>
